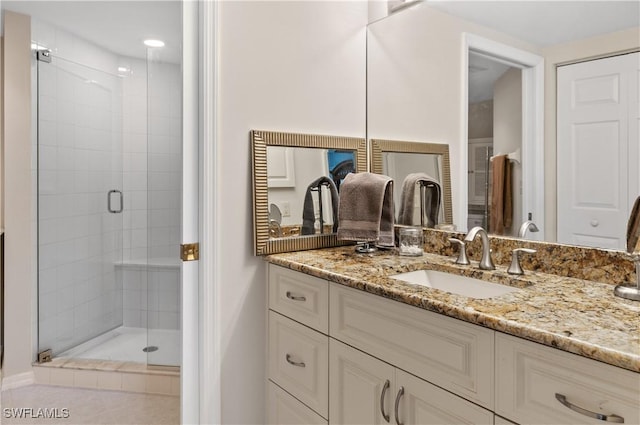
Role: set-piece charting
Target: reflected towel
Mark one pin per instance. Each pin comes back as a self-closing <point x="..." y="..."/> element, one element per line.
<point x="308" y="209"/>
<point x="366" y="209"/>
<point x="432" y="199"/>
<point x="501" y="197"/>
<point x="633" y="227"/>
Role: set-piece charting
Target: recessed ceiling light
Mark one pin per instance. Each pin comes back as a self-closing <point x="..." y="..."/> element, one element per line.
<point x="154" y="43"/>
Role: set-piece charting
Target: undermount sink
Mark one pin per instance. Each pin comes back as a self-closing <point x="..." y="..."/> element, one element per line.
<point x="456" y="284"/>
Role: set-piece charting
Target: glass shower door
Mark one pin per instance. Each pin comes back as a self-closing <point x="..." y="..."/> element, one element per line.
<point x="80" y="203"/>
<point x="164" y="178"/>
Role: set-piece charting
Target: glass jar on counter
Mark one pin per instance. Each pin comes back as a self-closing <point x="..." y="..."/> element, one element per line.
<point x="411" y="241"/>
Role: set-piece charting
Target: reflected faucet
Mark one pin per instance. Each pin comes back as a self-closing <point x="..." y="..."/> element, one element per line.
<point x="527" y="225"/>
<point x="275" y="230"/>
<point x="485" y="262"/>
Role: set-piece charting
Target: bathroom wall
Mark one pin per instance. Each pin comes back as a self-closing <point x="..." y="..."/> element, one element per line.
<point x="18" y="294"/>
<point x="481" y="119"/>
<point x="283" y="66"/>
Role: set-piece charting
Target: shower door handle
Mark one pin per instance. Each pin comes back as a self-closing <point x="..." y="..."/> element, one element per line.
<point x="109" y="197"/>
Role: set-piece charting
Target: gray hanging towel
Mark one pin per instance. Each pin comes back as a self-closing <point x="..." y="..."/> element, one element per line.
<point x="308" y="210"/>
<point x="366" y="209"/>
<point x="432" y="199"/>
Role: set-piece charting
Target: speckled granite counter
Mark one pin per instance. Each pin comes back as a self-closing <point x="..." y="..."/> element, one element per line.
<point x="578" y="316"/>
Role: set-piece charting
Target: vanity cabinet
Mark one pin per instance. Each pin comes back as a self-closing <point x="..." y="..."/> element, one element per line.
<point x="450" y="353"/>
<point x="340" y="355"/>
<point x="365" y="390"/>
<point x="541" y="385"/>
<point x="298" y="348"/>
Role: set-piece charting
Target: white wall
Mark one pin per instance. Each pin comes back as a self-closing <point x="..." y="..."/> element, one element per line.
<point x="284" y="66"/>
<point x="415" y="82"/>
<point x="18" y="294"/>
<point x="507" y="134"/>
<point x="566" y="53"/>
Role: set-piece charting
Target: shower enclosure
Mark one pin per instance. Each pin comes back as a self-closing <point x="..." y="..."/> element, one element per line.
<point x="108" y="196"/>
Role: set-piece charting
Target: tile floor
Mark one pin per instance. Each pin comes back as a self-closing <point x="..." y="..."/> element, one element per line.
<point x="87" y="406"/>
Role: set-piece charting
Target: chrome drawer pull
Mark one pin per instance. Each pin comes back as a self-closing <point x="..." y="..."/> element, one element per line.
<point x="295" y="297"/>
<point x="607" y="418"/>
<point x="398" y="397"/>
<point x="291" y="362"/>
<point x="382" y="394"/>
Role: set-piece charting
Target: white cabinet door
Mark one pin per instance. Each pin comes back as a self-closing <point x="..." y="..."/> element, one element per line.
<point x="541" y="385"/>
<point x="421" y="403"/>
<point x="361" y="387"/>
<point x="283" y="409"/>
<point x="597" y="139"/>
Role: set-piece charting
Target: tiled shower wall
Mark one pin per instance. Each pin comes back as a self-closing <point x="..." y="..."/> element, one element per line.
<point x="152" y="161"/>
<point x="90" y="144"/>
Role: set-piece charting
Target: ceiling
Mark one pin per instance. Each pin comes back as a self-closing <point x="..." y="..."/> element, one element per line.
<point x="118" y="26"/>
<point x="545" y="23"/>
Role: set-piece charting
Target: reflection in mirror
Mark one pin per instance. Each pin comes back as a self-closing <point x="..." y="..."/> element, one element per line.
<point x="417" y="87"/>
<point x="297" y="179"/>
<point x="303" y="187"/>
<point x="633" y="229"/>
<point x="421" y="172"/>
<point x="633" y="248"/>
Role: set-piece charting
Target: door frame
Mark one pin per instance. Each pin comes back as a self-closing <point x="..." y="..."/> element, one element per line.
<point x="200" y="372"/>
<point x="532" y="67"/>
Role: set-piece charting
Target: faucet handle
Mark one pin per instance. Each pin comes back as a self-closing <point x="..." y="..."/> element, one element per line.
<point x="515" y="267"/>
<point x="462" y="254"/>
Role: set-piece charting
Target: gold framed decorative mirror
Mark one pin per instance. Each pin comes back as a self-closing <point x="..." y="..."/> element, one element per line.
<point x="397" y="159"/>
<point x="285" y="167"/>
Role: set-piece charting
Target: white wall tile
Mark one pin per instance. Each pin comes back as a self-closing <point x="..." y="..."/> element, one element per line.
<point x="109" y="380"/>
<point x="85" y="378"/>
<point x="60" y="376"/>
<point x="134" y="382"/>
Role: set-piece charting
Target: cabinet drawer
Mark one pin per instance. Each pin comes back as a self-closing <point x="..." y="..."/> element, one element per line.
<point x="452" y="354"/>
<point x="283" y="409"/>
<point x="299" y="296"/>
<point x="529" y="375"/>
<point x="299" y="362"/>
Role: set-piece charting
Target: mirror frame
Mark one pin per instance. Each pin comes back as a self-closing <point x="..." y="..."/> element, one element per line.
<point x="260" y="139"/>
<point x="379" y="146"/>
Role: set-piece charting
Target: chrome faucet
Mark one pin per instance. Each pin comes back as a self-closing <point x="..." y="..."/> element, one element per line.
<point x="527" y="225"/>
<point x="485" y="262"/>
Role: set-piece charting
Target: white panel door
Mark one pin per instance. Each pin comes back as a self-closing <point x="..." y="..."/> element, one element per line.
<point x="596" y="136"/>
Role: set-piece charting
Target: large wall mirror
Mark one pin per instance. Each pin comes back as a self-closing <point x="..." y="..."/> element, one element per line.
<point x="424" y="163"/>
<point x="425" y="82"/>
<point x="296" y="184"/>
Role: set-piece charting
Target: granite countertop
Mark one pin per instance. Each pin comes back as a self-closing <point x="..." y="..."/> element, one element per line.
<point x="574" y="315"/>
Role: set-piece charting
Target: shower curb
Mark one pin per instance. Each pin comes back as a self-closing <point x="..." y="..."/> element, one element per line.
<point x="109" y="375"/>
